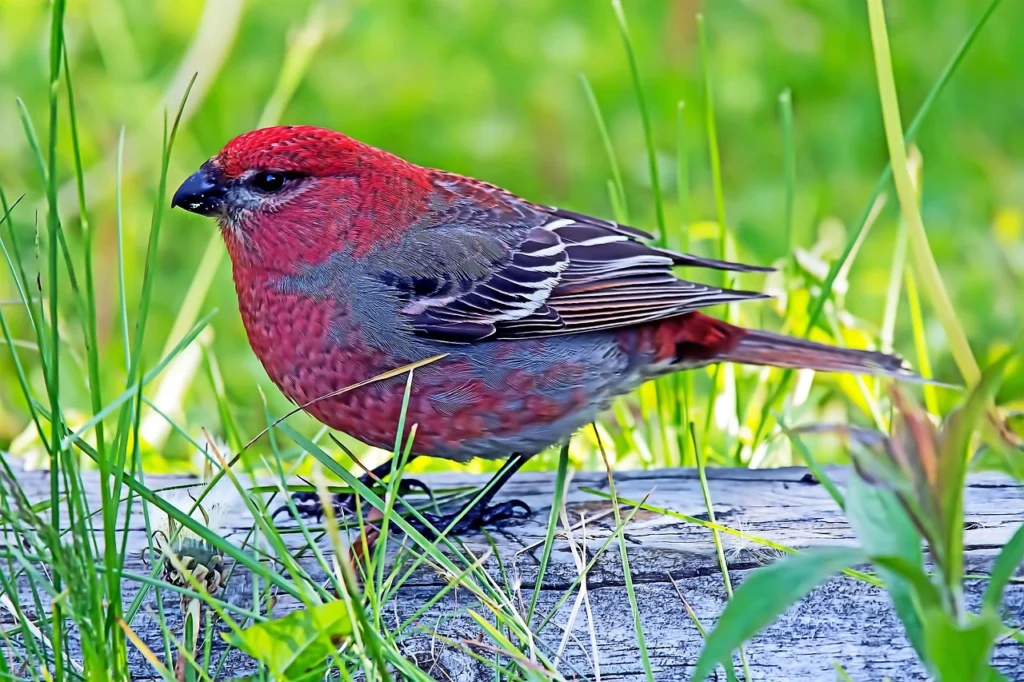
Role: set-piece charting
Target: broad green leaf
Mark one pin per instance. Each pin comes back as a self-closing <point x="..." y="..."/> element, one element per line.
<point x="956" y="652"/>
<point x="766" y="594"/>
<point x="1003" y="569"/>
<point x="298" y="643"/>
<point x="925" y="590"/>
<point x="953" y="457"/>
<point x="885" y="530"/>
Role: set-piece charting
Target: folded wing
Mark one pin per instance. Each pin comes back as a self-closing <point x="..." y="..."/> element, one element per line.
<point x="568" y="273"/>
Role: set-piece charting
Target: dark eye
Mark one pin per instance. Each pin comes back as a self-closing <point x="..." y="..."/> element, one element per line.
<point x="268" y="181"/>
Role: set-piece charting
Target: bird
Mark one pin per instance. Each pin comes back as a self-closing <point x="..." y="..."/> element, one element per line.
<point x="349" y="262"/>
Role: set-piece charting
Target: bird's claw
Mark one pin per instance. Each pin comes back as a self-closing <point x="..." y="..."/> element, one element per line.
<point x="476" y="519"/>
<point x="307" y="503"/>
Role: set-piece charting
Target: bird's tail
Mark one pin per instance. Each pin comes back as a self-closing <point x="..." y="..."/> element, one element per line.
<point x="775" y="350"/>
<point x="696" y="339"/>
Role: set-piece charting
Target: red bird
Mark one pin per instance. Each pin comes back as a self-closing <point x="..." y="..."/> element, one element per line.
<point x="349" y="261"/>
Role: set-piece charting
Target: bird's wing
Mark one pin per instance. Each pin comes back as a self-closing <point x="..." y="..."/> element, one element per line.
<point x="567" y="273"/>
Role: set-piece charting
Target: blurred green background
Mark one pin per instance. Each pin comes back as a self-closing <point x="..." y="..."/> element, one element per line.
<point x="491" y="88"/>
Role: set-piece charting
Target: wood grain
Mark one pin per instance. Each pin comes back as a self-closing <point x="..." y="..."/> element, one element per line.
<point x="843" y="621"/>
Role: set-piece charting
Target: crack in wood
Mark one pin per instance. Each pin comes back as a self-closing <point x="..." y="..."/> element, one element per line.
<point x="843" y="620"/>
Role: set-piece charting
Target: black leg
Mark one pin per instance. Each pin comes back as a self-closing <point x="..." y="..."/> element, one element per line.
<point x="308" y="503"/>
<point x="479" y="511"/>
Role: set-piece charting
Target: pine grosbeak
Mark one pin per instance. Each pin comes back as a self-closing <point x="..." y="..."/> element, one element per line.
<point x="349" y="261"/>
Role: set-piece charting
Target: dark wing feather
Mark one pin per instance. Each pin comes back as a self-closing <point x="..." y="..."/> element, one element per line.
<point x="516" y="289"/>
<point x="678" y="258"/>
<point x="612" y="281"/>
<point x="490" y="266"/>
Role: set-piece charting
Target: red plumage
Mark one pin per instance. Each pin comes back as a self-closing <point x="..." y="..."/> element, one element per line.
<point x="349" y="261"/>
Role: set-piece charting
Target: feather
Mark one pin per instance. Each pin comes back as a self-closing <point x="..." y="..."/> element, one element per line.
<point x="493" y="266"/>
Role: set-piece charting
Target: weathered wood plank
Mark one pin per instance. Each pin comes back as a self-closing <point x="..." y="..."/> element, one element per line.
<point x="843" y="621"/>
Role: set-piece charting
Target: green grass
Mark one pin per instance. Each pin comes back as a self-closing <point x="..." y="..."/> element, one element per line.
<point x="108" y="300"/>
<point x="518" y="121"/>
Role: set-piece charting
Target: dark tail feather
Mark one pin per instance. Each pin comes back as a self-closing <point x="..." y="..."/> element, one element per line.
<point x="775" y="350"/>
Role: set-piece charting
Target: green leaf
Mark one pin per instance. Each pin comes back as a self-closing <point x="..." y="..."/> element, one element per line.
<point x="298" y="643"/>
<point x="1005" y="566"/>
<point x="764" y="595"/>
<point x="885" y="530"/>
<point x="960" y="652"/>
<point x="924" y="589"/>
<point x="953" y="457"/>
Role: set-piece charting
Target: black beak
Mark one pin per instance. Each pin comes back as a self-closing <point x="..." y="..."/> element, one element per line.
<point x="202" y="192"/>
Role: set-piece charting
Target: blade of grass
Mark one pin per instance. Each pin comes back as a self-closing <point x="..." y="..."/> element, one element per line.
<point x="663" y="389"/>
<point x="549" y="538"/>
<point x="403" y="445"/>
<point x="652" y="157"/>
<point x="617" y="188"/>
<point x="130" y="417"/>
<point x="683" y="383"/>
<point x="682" y="179"/>
<point x="818" y="305"/>
<point x="887" y="333"/>
<point x="53" y="369"/>
<point x="627" y="575"/>
<point x="579" y="557"/>
<point x="841" y="674"/>
<point x="146" y="652"/>
<point x="298" y="56"/>
<point x="924" y="261"/>
<point x="228" y="425"/>
<point x="91" y="335"/>
<point x="582" y="575"/>
<point x="730" y="671"/>
<point x="723" y="565"/>
<point x="917" y="327"/>
<point x="185" y="520"/>
<point x="16" y="263"/>
<point x="724" y="376"/>
<point x="788" y="163"/>
<point x="743" y="535"/>
<point x="132" y="391"/>
<point x="19" y="368"/>
<point x="913" y="299"/>
<point x="119" y="217"/>
<point x="712" y="134"/>
<point x="109" y="493"/>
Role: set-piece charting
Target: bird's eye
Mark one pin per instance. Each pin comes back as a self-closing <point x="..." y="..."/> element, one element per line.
<point x="268" y="181"/>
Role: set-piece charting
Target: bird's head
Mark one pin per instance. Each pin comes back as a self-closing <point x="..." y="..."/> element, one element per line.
<point x="292" y="194"/>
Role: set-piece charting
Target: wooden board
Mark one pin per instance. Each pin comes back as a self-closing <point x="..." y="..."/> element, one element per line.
<point x="843" y="621"/>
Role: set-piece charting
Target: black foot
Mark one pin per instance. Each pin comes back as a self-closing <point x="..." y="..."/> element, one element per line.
<point x="308" y="503"/>
<point x="478" y="517"/>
